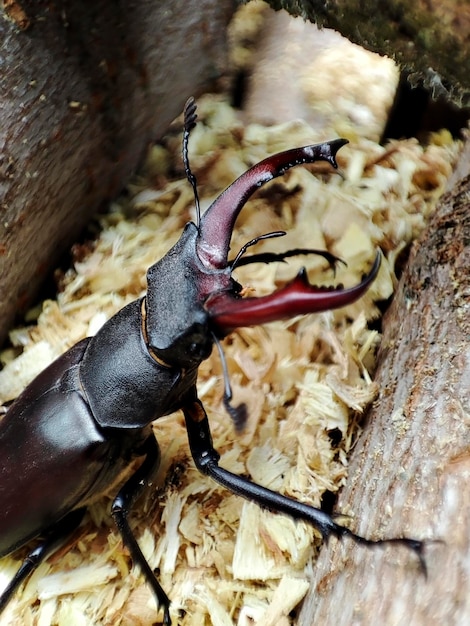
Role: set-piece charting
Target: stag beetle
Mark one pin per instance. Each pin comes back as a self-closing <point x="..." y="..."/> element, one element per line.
<point x="74" y="429"/>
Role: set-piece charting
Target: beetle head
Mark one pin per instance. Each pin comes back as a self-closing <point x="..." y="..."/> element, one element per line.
<point x="192" y="298"/>
<point x="177" y="324"/>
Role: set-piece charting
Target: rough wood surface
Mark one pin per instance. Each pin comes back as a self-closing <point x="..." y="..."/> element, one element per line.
<point x="409" y="473"/>
<point x="83" y="89"/>
<point x="429" y="38"/>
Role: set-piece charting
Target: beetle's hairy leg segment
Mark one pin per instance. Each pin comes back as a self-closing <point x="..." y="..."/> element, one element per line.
<point x="55" y="536"/>
<point x="120" y="511"/>
<point x="206" y="459"/>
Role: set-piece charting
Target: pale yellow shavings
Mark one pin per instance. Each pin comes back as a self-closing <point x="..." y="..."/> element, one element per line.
<point x="304" y="381"/>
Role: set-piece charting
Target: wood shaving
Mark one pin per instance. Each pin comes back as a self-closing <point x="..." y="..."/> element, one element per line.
<point x="223" y="561"/>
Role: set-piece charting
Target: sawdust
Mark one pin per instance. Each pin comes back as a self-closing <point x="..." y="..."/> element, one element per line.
<point x="221" y="560"/>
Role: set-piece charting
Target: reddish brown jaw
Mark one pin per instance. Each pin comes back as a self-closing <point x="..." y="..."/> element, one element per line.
<point x="218" y="221"/>
<point x="298" y="297"/>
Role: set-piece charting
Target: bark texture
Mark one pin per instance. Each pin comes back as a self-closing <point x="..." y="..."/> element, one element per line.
<point x="410" y="470"/>
<point x="430" y="39"/>
<point x="84" y="87"/>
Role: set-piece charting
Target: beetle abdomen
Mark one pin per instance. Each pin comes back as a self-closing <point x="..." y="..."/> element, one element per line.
<point x="51" y="453"/>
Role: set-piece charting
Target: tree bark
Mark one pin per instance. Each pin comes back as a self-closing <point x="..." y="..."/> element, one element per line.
<point x="409" y="472"/>
<point x="430" y="39"/>
<point x="84" y="88"/>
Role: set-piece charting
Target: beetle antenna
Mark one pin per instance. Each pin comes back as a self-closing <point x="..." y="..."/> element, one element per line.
<point x="190" y="118"/>
<point x="238" y="413"/>
<point x="253" y="242"/>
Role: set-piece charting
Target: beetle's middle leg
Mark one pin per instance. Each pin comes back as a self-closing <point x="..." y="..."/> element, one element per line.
<point x="207" y="461"/>
<point x="53" y="539"/>
<point x="120" y="511"/>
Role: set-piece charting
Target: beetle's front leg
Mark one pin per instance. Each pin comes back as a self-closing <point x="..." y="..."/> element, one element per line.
<point x="207" y="461"/>
<point x="120" y="511"/>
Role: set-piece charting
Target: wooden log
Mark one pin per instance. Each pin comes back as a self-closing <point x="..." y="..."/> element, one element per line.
<point x="409" y="472"/>
<point x="429" y="39"/>
<point x="84" y="89"/>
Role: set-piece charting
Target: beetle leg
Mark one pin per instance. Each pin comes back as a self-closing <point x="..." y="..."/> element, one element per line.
<point x="120" y="511"/>
<point x="55" y="536"/>
<point x="206" y="459"/>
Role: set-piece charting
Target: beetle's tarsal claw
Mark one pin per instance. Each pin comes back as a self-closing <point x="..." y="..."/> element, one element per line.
<point x="416" y="545"/>
<point x="412" y="544"/>
<point x="418" y="548"/>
